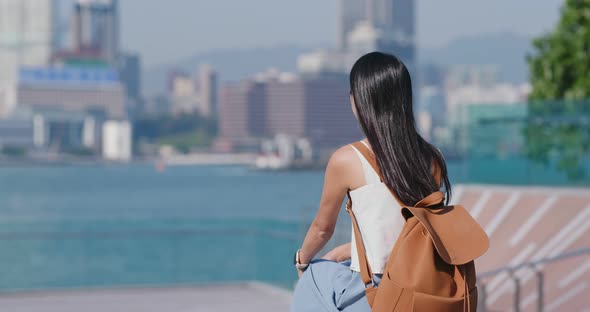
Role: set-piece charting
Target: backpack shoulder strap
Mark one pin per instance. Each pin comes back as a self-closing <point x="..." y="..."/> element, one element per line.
<point x="366" y="273"/>
<point x="361" y="147"/>
<point x="370" y="157"/>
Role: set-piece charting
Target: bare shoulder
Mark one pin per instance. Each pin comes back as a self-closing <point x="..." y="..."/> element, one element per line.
<point x="343" y="157"/>
<point x="345" y="167"/>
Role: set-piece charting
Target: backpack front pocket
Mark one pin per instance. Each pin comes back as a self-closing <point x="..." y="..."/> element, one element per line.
<point x="390" y="297"/>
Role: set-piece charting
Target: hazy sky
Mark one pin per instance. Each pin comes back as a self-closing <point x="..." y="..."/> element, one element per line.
<point x="165" y="30"/>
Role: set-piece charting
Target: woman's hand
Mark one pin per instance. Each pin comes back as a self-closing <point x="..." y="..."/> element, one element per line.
<point x="299" y="273"/>
<point x="339" y="253"/>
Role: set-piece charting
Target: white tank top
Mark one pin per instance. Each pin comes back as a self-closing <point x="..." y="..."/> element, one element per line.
<point x="379" y="217"/>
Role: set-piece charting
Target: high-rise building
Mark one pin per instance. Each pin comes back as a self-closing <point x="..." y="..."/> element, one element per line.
<point x="403" y="17"/>
<point x="366" y="26"/>
<point x="208" y="91"/>
<point x="184" y="97"/>
<point x="27" y="37"/>
<point x="387" y="27"/>
<point x="391" y="16"/>
<point x="329" y="121"/>
<point x="130" y="74"/>
<point x="243" y="111"/>
<point x="316" y="109"/>
<point x="96" y="26"/>
<point x="286" y="108"/>
<point x="350" y="13"/>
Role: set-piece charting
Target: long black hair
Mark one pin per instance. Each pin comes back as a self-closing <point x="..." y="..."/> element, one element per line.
<point x="382" y="90"/>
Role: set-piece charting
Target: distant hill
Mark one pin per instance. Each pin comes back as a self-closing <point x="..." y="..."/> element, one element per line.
<point x="232" y="65"/>
<point x="506" y="50"/>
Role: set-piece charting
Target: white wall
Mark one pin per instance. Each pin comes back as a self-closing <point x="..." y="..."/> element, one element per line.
<point x="116" y="141"/>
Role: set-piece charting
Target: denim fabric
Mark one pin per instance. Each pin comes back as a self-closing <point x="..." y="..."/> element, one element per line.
<point x="330" y="286"/>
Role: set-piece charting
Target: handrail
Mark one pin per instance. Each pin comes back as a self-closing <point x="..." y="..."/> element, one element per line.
<point x="508" y="268"/>
<point x="482" y="304"/>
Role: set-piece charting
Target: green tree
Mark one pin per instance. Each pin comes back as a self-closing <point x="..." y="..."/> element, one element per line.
<point x="183" y="131"/>
<point x="558" y="130"/>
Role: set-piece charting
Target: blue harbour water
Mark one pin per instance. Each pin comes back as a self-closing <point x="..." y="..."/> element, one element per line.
<point x="121" y="226"/>
<point x="130" y="225"/>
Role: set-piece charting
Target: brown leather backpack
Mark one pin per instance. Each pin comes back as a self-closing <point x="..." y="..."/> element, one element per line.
<point x="431" y="265"/>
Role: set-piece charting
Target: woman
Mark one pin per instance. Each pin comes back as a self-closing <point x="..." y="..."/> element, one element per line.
<point x="381" y="100"/>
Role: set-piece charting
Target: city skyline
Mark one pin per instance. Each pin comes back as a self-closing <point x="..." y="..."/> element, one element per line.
<point x="437" y="24"/>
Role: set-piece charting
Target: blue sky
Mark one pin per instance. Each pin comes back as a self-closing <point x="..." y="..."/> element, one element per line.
<point x="164" y="31"/>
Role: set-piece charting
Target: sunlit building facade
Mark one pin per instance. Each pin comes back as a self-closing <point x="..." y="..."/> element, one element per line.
<point x="315" y="108"/>
<point x="27" y="37"/>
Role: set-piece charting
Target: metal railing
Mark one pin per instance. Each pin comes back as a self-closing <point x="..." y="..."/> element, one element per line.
<point x="533" y="265"/>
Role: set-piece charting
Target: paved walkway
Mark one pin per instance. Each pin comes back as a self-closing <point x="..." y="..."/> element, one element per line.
<point x="237" y="297"/>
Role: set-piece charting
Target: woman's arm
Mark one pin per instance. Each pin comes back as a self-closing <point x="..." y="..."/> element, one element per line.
<point x="335" y="188"/>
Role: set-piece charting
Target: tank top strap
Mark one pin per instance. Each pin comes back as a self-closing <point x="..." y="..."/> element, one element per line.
<point x="371" y="176"/>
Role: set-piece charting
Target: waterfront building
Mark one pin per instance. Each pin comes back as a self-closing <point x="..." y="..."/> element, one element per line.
<point x="313" y="108"/>
<point x="58" y="130"/>
<point x="16" y="133"/>
<point x="242" y="114"/>
<point x="317" y="108"/>
<point x="95" y="90"/>
<point x="116" y="140"/>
